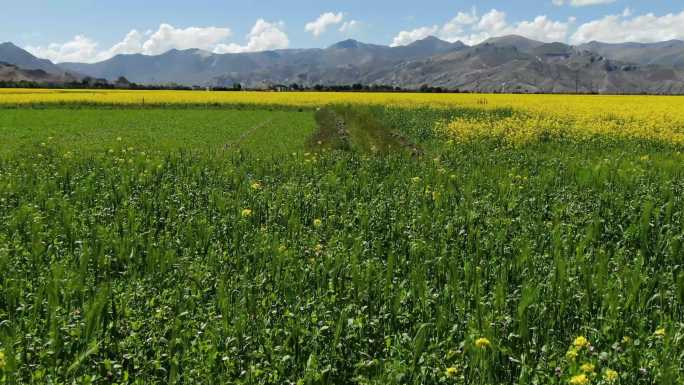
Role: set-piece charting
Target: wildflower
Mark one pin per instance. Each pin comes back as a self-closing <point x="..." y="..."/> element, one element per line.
<point x="482" y="342"/>
<point x="580" y="379"/>
<point x="659" y="332"/>
<point x="571" y="354"/>
<point x="246" y="213"/>
<point x="451" y="372"/>
<point x="317" y="222"/>
<point x="2" y="360"/>
<point x="256" y="185"/>
<point x="282" y="248"/>
<point x="610" y="375"/>
<point x="415" y="179"/>
<point x="626" y="339"/>
<point x="587" y="368"/>
<point x="581" y="342"/>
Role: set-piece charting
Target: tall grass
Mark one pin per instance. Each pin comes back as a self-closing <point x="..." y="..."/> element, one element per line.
<point x="349" y="268"/>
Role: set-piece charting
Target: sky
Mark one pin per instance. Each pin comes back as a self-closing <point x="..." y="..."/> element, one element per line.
<point x="95" y="30"/>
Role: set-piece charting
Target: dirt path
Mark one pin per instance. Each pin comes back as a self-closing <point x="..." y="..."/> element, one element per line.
<point x="247" y="133"/>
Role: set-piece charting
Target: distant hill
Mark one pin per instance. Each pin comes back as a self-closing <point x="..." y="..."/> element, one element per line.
<point x="668" y="53"/>
<point x="10" y="53"/>
<point x="348" y="61"/>
<point x="12" y="73"/>
<point x="507" y="63"/>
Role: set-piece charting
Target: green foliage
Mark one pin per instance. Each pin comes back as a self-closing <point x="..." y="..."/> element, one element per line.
<point x="145" y="268"/>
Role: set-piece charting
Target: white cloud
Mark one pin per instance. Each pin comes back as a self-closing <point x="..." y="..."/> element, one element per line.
<point x="167" y="37"/>
<point x="646" y="28"/>
<point x="132" y="43"/>
<point x="264" y="36"/>
<point x="349" y="27"/>
<point x="408" y="37"/>
<point x="473" y="29"/>
<point x="79" y="49"/>
<point x="455" y="26"/>
<point x="581" y="3"/>
<point x="320" y="25"/>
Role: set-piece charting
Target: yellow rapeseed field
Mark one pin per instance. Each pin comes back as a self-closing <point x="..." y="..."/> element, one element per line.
<point x="646" y="117"/>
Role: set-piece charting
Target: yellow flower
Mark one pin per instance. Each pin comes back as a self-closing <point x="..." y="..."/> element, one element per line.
<point x="415" y="179"/>
<point x="571" y="354"/>
<point x="246" y="213"/>
<point x="659" y="332"/>
<point x="451" y="372"/>
<point x="626" y="339"/>
<point x="482" y="343"/>
<point x="581" y="342"/>
<point x="2" y="360"/>
<point x="587" y="368"/>
<point x="580" y="379"/>
<point x="256" y="186"/>
<point x="610" y="375"/>
<point x="317" y="222"/>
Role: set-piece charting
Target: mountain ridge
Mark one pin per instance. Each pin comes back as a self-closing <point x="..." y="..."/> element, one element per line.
<point x="508" y="63"/>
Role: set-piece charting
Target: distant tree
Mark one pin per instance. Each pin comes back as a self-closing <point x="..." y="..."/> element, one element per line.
<point x="122" y="82"/>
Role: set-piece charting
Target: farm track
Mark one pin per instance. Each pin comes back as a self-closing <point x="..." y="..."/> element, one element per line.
<point x="247" y="133"/>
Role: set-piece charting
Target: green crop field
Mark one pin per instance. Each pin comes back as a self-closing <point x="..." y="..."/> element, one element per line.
<point x="89" y="129"/>
<point x="348" y="245"/>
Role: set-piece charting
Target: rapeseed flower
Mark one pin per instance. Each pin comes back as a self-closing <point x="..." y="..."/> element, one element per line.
<point x="610" y="375"/>
<point x="581" y="342"/>
<point x="580" y="379"/>
<point x="587" y="367"/>
<point x="482" y="343"/>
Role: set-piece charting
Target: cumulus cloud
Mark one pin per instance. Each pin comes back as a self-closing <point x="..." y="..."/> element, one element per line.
<point x="408" y="37"/>
<point x="473" y="29"/>
<point x="581" y="3"/>
<point x="263" y="36"/>
<point x="646" y="28"/>
<point x="320" y="25"/>
<point x="79" y="49"/>
<point x="167" y="37"/>
<point x="349" y="27"/>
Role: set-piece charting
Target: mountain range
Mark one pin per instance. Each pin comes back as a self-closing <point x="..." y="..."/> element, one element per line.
<point x="504" y="64"/>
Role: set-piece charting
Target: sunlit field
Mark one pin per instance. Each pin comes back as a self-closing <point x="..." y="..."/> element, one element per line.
<point x="332" y="238"/>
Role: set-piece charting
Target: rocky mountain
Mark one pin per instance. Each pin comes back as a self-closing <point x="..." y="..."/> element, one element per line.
<point x="667" y="53"/>
<point x="551" y="68"/>
<point x="12" y="73"/>
<point x="348" y="61"/>
<point x="508" y="63"/>
<point x="10" y="53"/>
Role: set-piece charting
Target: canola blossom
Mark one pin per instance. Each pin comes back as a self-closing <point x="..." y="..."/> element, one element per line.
<point x="527" y="118"/>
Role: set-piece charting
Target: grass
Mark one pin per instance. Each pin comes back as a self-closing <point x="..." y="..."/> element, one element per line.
<point x="154" y="129"/>
<point x="477" y="262"/>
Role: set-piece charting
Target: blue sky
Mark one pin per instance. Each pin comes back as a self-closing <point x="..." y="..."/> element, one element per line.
<point x="91" y="30"/>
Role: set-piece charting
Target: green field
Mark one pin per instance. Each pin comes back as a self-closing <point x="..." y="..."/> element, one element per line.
<point x="87" y="129"/>
<point x="217" y="246"/>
